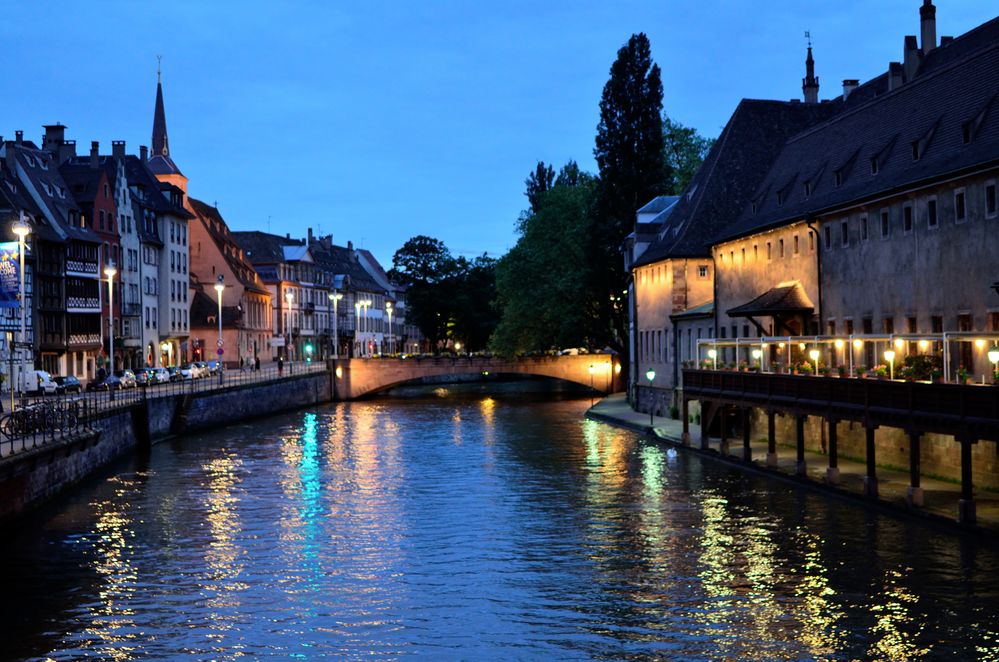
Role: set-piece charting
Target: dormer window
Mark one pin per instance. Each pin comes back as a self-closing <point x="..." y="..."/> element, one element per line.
<point x="808" y="189"/>
<point x="915" y="150"/>
<point x="30" y="161"/>
<point x="780" y="199"/>
<point x="756" y="206"/>
<point x="966" y="133"/>
<point x="874" y="165"/>
<point x="838" y="178"/>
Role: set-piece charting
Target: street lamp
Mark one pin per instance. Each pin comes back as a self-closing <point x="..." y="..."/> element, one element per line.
<point x="758" y="357"/>
<point x="713" y="355"/>
<point x="288" y="296"/>
<point x="22" y="230"/>
<point x="650" y="375"/>
<point x="388" y="309"/>
<point x="890" y="358"/>
<point x="220" y="287"/>
<point x="335" y="297"/>
<point x="814" y="356"/>
<point x="367" y="326"/>
<point x="591" y="385"/>
<point x="994" y="359"/>
<point x="110" y="272"/>
<point x="357" y="325"/>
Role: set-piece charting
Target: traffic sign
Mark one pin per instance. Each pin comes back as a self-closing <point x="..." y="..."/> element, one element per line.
<point x="23" y="345"/>
<point x="221" y="351"/>
<point x="219" y="343"/>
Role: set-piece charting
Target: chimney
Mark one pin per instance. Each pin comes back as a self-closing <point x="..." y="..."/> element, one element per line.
<point x="118" y="149"/>
<point x="287" y="235"/>
<point x="946" y="40"/>
<point x="894" y="75"/>
<point x="19" y="137"/>
<point x="310" y="238"/>
<point x="143" y="153"/>
<point x="53" y="138"/>
<point x="350" y="245"/>
<point x="95" y="154"/>
<point x="849" y="85"/>
<point x="911" y="59"/>
<point x="67" y="150"/>
<point x="928" y="26"/>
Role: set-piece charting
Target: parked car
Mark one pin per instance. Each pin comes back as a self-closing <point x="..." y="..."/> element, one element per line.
<point x="111" y="382"/>
<point x="142" y="377"/>
<point x="190" y="371"/>
<point x="203" y="369"/>
<point x="160" y="375"/>
<point x="215" y="366"/>
<point x="175" y="374"/>
<point x="38" y="382"/>
<point x="67" y="384"/>
<point x="127" y="378"/>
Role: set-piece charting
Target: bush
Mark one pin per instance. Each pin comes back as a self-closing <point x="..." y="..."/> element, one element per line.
<point x="921" y="366"/>
<point x="674" y="413"/>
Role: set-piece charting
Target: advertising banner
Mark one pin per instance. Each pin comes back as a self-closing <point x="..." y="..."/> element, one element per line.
<point x="10" y="275"/>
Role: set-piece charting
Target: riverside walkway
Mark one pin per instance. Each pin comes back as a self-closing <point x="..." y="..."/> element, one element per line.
<point x="940" y="497"/>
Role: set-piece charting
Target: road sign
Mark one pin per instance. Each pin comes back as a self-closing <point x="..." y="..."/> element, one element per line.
<point x="219" y="343"/>
<point x="23" y="345"/>
<point x="221" y="351"/>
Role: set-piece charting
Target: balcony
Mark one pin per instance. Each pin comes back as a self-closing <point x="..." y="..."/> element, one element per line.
<point x="309" y="308"/>
<point x="81" y="266"/>
<point x="131" y="310"/>
<point x="964" y="411"/>
<point x="78" y="303"/>
<point x="84" y="340"/>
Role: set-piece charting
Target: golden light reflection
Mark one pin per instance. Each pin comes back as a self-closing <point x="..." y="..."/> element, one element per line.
<point x="896" y="627"/>
<point x="820" y="614"/>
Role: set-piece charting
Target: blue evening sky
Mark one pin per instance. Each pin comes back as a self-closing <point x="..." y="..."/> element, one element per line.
<point x="380" y="120"/>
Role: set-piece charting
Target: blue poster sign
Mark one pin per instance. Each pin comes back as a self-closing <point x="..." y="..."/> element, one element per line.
<point x="10" y="277"/>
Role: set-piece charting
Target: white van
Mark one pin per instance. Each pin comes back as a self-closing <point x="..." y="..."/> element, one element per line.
<point x="38" y="382"/>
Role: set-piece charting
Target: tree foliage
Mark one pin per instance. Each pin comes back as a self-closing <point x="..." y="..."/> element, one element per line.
<point x="538" y="182"/>
<point x="684" y="151"/>
<point x="447" y="297"/>
<point x="633" y="170"/>
<point x="542" y="283"/>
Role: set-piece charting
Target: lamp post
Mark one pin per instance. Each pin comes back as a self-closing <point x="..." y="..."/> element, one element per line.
<point x="713" y="355"/>
<point x="22" y="230"/>
<point x="357" y="324"/>
<point x="758" y="357"/>
<point x="388" y="309"/>
<point x="288" y="296"/>
<point x="591" y="385"/>
<point x="994" y="359"/>
<point x="110" y="272"/>
<point x="814" y="356"/>
<point x="890" y="358"/>
<point x="335" y="297"/>
<point x="220" y="287"/>
<point x="367" y="326"/>
<point x="650" y="375"/>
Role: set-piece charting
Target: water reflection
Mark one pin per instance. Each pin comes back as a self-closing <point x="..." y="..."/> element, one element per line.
<point x="483" y="528"/>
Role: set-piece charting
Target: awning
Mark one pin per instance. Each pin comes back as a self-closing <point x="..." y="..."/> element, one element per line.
<point x="785" y="299"/>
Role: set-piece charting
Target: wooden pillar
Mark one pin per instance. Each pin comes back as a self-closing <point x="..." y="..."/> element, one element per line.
<point x="723" y="425"/>
<point x="966" y="506"/>
<point x="801" y="467"/>
<point x="686" y="422"/>
<point x="771" y="439"/>
<point x="705" y="417"/>
<point x="915" y="494"/>
<point x="747" y="450"/>
<point x="871" y="478"/>
<point x="832" y="472"/>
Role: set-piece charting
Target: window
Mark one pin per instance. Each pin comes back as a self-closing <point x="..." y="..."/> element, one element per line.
<point x="966" y="133"/>
<point x="874" y="166"/>
<point x="838" y="178"/>
<point x="831" y="324"/>
<point x="796" y="244"/>
<point x="931" y="213"/>
<point x="915" y="150"/>
<point x="780" y="248"/>
<point x="849" y="327"/>
<point x="780" y="199"/>
<point x="106" y="191"/>
<point x="744" y="255"/>
<point x="769" y="252"/>
<point x="863" y="228"/>
<point x="828" y="230"/>
<point x="911" y="324"/>
<point x="936" y="323"/>
<point x="101" y="217"/>
<point x="808" y="189"/>
<point x="990" y="199"/>
<point x="844" y="233"/>
<point x="960" y="209"/>
<point x="885" y="225"/>
<point x="756" y="252"/>
<point x="811" y="241"/>
<point x="907" y="219"/>
<point x="888" y="324"/>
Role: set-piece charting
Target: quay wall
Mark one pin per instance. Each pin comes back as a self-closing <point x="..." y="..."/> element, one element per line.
<point x="31" y="477"/>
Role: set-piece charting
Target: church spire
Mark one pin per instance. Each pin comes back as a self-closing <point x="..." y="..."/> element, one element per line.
<point x="161" y="145"/>
<point x="810" y="83"/>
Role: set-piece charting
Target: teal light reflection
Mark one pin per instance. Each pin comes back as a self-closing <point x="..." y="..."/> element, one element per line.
<point x="310" y="512"/>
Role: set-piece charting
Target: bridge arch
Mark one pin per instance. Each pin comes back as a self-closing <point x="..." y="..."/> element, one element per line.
<point x="356" y="378"/>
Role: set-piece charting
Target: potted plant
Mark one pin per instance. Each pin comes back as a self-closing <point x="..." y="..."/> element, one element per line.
<point x="778" y="367"/>
<point x="880" y="371"/>
<point x="841" y="371"/>
<point x="825" y="371"/>
<point x="962" y="375"/>
<point x="861" y="371"/>
<point x="805" y="369"/>
<point x="936" y="376"/>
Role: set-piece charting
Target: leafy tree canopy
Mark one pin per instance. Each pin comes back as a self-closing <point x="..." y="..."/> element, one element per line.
<point x="685" y="150"/>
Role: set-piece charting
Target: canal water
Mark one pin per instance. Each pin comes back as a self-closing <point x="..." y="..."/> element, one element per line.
<point x="475" y="527"/>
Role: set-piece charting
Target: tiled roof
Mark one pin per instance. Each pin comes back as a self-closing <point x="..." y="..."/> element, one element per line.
<point x="929" y="110"/>
<point x="785" y="298"/>
<point x="658" y="204"/>
<point x="204" y="307"/>
<point x="218" y="230"/>
<point x="341" y="260"/>
<point x="703" y="310"/>
<point x="262" y="247"/>
<point x="731" y="172"/>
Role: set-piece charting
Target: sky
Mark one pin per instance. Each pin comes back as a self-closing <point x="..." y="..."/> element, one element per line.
<point x="377" y="121"/>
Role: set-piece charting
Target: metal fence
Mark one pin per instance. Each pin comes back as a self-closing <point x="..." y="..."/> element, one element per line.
<point x="41" y="420"/>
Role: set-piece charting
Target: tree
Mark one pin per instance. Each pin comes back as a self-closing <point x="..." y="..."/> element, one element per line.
<point x="538" y="182"/>
<point x="684" y="151"/>
<point x="542" y="283"/>
<point x="475" y="315"/>
<point x="633" y="170"/>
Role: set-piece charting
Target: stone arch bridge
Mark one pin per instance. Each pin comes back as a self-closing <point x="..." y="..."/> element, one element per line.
<point x="356" y="378"/>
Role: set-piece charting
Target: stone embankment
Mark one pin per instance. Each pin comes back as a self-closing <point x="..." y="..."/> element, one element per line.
<point x="33" y="475"/>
